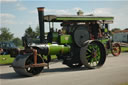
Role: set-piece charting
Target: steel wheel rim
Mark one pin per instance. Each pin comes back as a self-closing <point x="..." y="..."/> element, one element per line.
<point x="33" y="70"/>
<point x="93" y="55"/>
<point x="96" y="57"/>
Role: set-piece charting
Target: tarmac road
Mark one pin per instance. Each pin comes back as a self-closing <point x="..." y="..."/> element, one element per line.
<point x="114" y="72"/>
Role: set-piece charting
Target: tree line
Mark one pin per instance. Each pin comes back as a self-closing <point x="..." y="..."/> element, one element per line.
<point x="7" y="36"/>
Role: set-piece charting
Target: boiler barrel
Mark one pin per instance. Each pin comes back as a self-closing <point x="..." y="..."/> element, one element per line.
<point x="53" y="49"/>
<point x="58" y="49"/>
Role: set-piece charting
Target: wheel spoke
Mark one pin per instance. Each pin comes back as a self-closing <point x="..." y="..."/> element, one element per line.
<point x="96" y="60"/>
<point x="88" y="51"/>
<point x="93" y="48"/>
<point x="93" y="55"/>
<point x="33" y="70"/>
<point x="92" y="62"/>
<point x="88" y="56"/>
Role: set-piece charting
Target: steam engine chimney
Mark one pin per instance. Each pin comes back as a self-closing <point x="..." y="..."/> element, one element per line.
<point x="41" y="23"/>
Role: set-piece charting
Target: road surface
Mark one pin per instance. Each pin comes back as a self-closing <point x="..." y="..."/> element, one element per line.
<point x="114" y="72"/>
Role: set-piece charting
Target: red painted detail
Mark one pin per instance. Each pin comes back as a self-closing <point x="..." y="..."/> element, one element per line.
<point x="116" y="49"/>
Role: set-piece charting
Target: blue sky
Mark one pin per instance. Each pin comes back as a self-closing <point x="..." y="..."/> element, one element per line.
<point x="17" y="15"/>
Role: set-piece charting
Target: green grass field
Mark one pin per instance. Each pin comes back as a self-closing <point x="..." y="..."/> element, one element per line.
<point x="124" y="49"/>
<point x="126" y="83"/>
<point x="6" y="59"/>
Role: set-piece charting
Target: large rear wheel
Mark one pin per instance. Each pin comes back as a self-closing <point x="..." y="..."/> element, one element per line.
<point x="93" y="54"/>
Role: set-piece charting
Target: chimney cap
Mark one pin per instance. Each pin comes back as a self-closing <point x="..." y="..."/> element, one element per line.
<point x="40" y="8"/>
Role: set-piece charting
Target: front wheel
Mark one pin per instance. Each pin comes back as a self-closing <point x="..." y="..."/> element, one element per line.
<point x="23" y="60"/>
<point x="93" y="54"/>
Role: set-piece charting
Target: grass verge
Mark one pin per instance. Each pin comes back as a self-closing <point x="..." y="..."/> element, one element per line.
<point x="6" y="59"/>
<point x="124" y="49"/>
<point x="126" y="83"/>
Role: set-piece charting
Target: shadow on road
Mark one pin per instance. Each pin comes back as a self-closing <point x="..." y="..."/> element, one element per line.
<point x="14" y="75"/>
<point x="64" y="69"/>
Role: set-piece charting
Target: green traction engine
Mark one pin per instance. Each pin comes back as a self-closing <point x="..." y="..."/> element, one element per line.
<point x="72" y="44"/>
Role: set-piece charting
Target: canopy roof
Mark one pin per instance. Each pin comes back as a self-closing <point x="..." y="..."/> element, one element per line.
<point x="83" y="18"/>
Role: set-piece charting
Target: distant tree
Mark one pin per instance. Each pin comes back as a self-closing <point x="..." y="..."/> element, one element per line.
<point x="126" y="29"/>
<point x="17" y="41"/>
<point x="115" y="29"/>
<point x="5" y="34"/>
<point x="30" y="33"/>
<point x="37" y="30"/>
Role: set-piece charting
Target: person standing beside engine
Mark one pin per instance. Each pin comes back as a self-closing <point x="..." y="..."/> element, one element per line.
<point x="1" y="51"/>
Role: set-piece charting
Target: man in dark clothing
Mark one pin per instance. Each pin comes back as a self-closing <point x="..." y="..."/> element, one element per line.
<point x="50" y="36"/>
<point x="94" y="28"/>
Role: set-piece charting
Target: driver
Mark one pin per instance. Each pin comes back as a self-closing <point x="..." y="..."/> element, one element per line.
<point x="50" y="35"/>
<point x="95" y="29"/>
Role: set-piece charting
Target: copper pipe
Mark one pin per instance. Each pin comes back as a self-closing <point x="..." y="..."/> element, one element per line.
<point x="35" y="56"/>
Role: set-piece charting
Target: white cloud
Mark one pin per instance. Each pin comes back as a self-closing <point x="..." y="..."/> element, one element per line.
<point x="7" y="19"/>
<point x="6" y="15"/>
<point x="33" y="11"/>
<point x="120" y="16"/>
<point x="32" y="22"/>
<point x="73" y="11"/>
<point x="20" y="7"/>
<point x="101" y="12"/>
<point x="77" y="9"/>
<point x="58" y="11"/>
<point x="8" y="0"/>
<point x="6" y="22"/>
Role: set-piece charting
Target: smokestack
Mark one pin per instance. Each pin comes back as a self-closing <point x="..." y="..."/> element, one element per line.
<point x="41" y="23"/>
